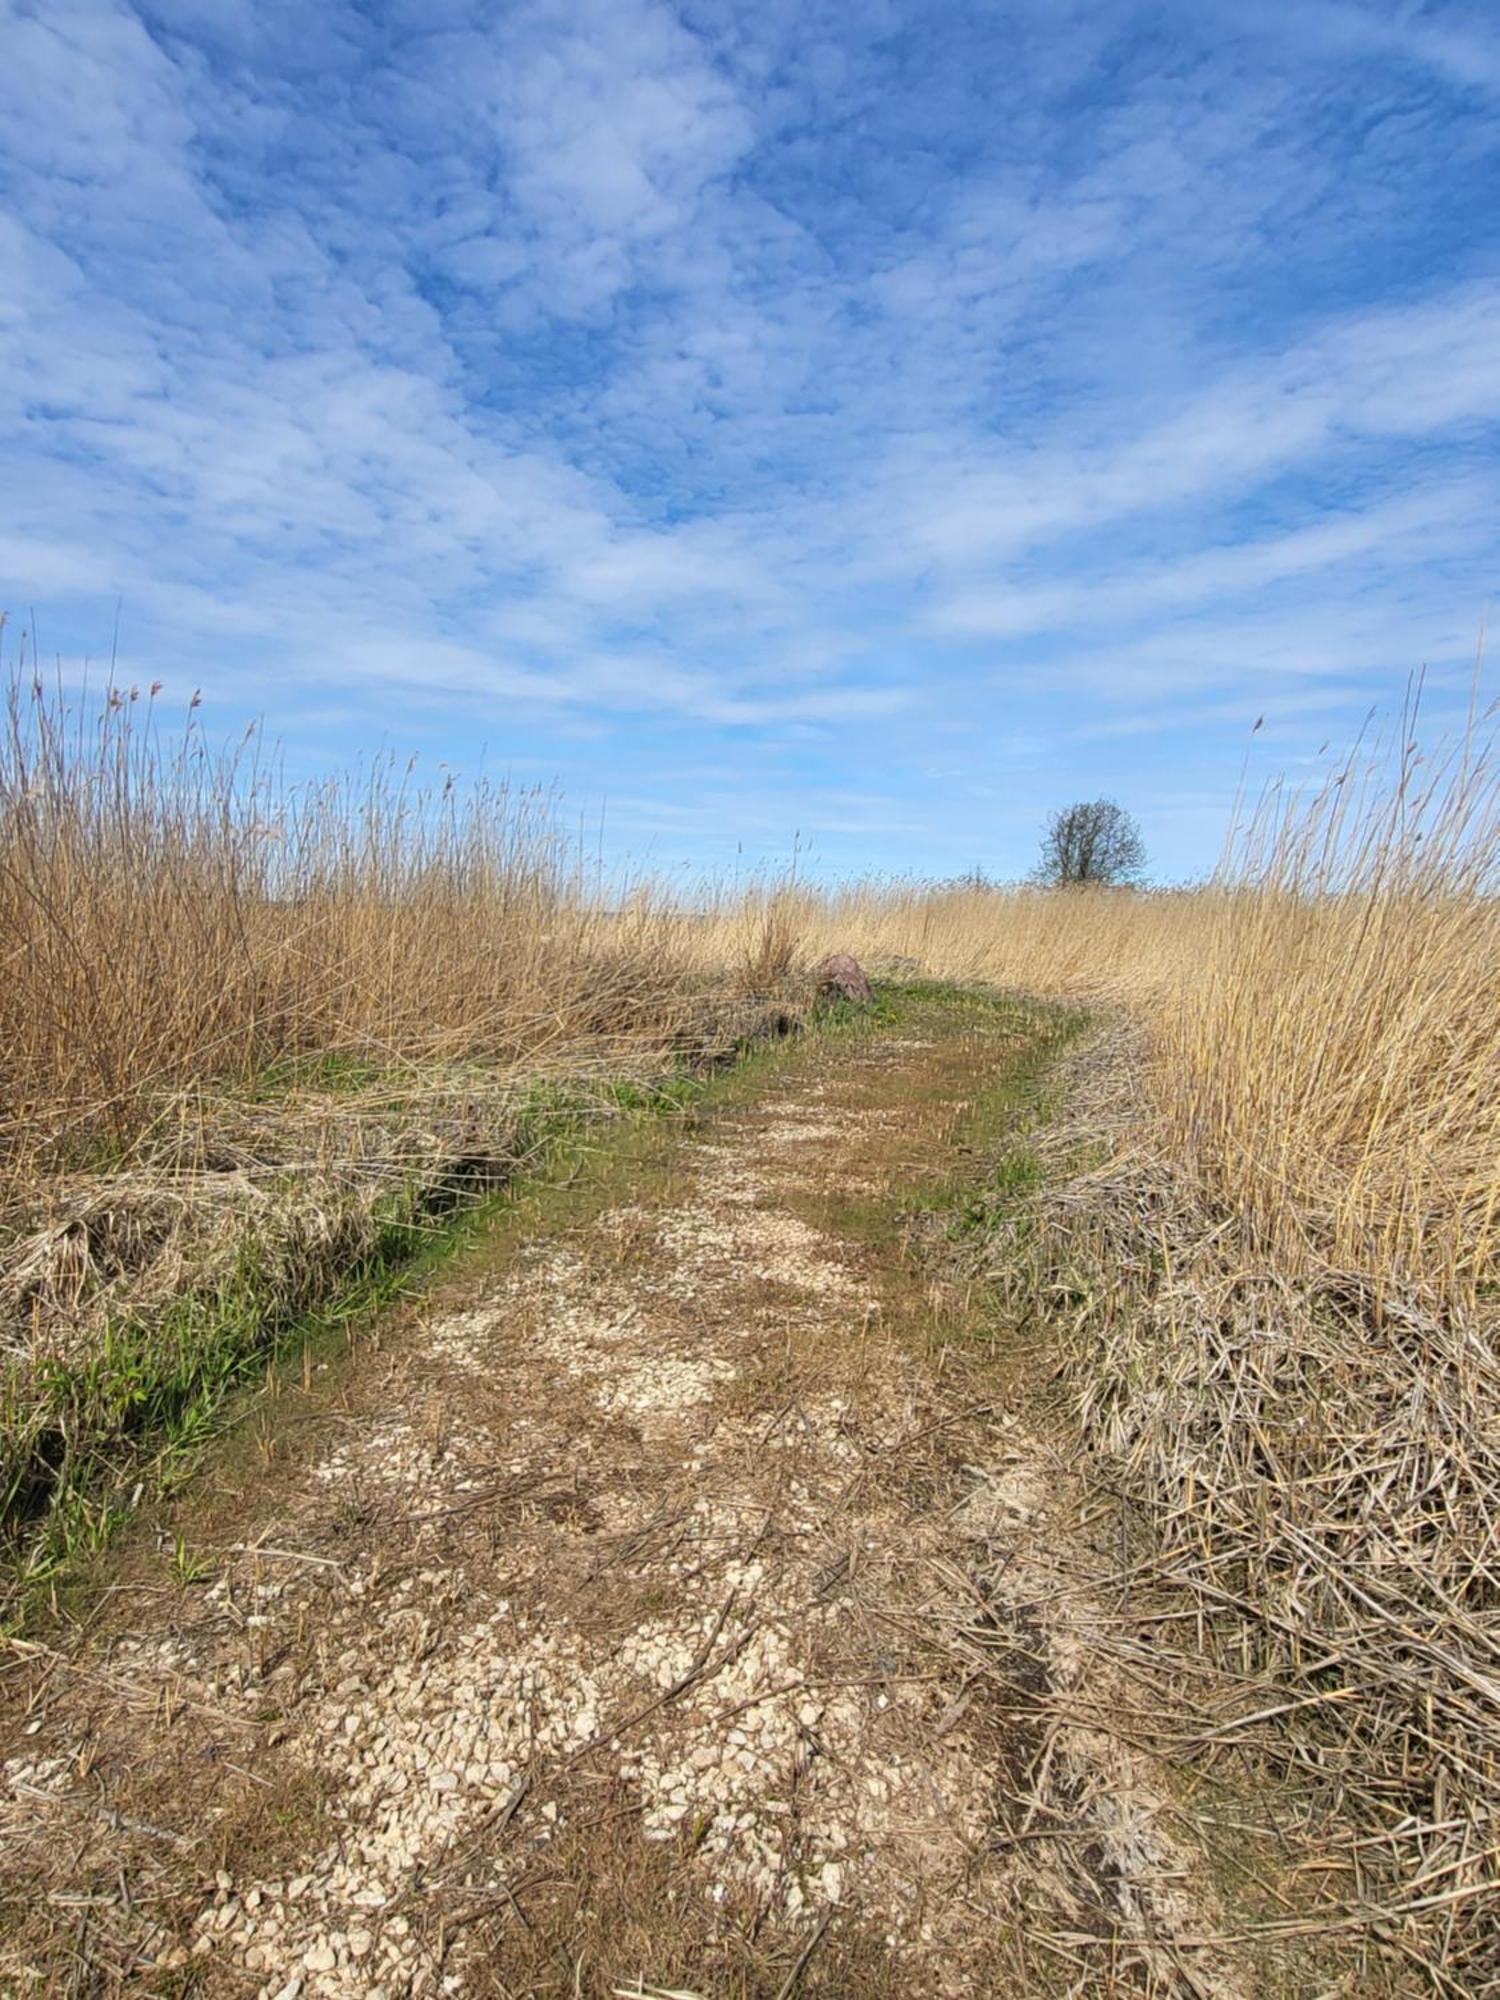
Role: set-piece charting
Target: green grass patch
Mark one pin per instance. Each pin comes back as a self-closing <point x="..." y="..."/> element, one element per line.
<point x="98" y="1434"/>
<point x="336" y="1073"/>
<point x="87" y="1441"/>
<point x="974" y="1226"/>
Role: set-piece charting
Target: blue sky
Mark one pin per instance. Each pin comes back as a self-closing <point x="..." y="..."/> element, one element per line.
<point x="877" y="424"/>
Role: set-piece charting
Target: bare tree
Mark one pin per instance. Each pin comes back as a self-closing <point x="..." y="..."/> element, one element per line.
<point x="1096" y="842"/>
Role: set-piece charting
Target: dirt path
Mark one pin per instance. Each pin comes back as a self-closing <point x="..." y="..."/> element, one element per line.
<point x="663" y="1605"/>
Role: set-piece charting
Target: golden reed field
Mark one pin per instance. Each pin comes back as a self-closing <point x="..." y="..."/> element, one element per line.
<point x="237" y="1012"/>
<point x="177" y="923"/>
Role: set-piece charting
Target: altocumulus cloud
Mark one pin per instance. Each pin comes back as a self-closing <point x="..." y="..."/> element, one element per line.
<point x="881" y="422"/>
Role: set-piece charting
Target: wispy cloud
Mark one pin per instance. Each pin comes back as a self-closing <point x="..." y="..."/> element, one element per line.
<point x="835" y="401"/>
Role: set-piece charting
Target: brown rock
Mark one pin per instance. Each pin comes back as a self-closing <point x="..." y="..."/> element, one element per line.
<point x="841" y="977"/>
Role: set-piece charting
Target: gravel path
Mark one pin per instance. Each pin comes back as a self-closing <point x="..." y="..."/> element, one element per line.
<point x="662" y="1606"/>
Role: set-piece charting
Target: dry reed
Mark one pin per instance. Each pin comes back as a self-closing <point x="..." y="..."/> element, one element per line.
<point x="174" y="920"/>
<point x="1326" y="1043"/>
<point x="1267" y="1254"/>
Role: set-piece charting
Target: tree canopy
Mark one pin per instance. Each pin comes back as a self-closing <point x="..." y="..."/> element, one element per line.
<point x="1094" y="843"/>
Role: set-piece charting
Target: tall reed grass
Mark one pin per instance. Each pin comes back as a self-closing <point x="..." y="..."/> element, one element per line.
<point x="1334" y="1067"/>
<point x="176" y="920"/>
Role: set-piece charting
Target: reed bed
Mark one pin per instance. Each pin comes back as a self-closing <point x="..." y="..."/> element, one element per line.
<point x="1325" y="1036"/>
<point x="1311" y="1457"/>
<point x="175" y="920"/>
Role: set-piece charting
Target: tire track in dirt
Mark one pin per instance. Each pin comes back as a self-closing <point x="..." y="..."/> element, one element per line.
<point x="635" y="1622"/>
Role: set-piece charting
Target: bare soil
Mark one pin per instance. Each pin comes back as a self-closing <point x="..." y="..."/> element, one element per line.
<point x="676" y="1601"/>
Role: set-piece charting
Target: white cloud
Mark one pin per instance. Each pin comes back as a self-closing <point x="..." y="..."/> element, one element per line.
<point x="1392" y="532"/>
<point x="819" y="380"/>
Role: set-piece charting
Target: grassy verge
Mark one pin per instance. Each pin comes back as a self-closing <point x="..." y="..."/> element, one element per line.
<point x="981" y="1215"/>
<point x="87" y="1439"/>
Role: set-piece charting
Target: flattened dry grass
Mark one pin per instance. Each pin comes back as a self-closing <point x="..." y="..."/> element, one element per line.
<point x="1312" y="1457"/>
